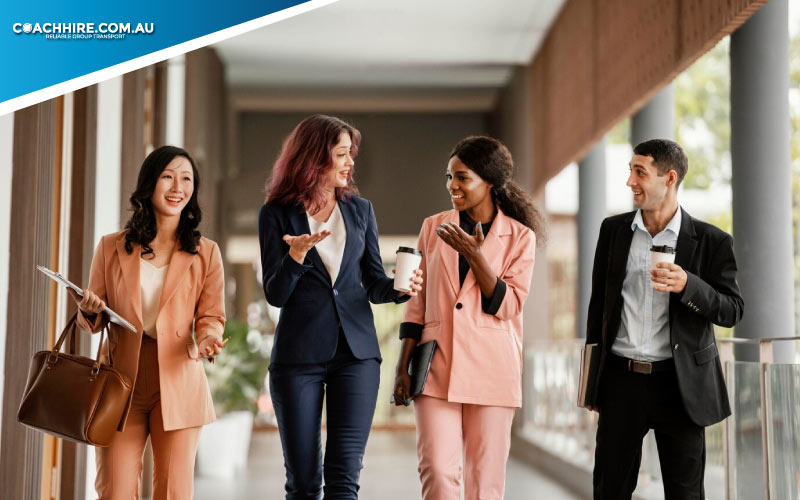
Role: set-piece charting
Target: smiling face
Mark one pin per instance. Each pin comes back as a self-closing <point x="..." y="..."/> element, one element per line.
<point x="467" y="190"/>
<point x="340" y="173"/>
<point x="174" y="188"/>
<point x="649" y="188"/>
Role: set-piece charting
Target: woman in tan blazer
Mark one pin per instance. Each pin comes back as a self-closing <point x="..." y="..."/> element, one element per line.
<point x="167" y="280"/>
<point x="478" y="260"/>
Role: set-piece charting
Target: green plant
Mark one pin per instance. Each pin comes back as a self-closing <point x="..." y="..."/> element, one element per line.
<point x="238" y="373"/>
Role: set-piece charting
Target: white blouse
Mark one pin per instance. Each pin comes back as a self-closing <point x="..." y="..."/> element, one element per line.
<point x="331" y="249"/>
<point x="151" y="281"/>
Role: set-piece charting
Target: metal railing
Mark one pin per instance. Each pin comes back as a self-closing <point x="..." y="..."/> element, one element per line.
<point x="747" y="457"/>
<point x="765" y="397"/>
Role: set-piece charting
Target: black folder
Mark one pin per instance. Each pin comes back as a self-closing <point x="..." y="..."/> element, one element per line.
<point x="590" y="362"/>
<point x="420" y="365"/>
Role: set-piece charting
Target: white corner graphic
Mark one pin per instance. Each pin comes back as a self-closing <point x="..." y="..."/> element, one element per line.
<point x="80" y="82"/>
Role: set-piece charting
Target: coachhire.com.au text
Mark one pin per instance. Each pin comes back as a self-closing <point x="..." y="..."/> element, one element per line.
<point x="83" y="30"/>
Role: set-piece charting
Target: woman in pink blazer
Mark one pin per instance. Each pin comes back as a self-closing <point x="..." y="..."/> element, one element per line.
<point x="166" y="279"/>
<point x="477" y="259"/>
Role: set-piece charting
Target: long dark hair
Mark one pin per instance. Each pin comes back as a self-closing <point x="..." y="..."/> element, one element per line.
<point x="141" y="226"/>
<point x="306" y="157"/>
<point x="491" y="160"/>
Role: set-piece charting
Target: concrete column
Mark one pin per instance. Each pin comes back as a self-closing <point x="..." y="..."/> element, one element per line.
<point x="107" y="195"/>
<point x="176" y="100"/>
<point x="591" y="211"/>
<point x="656" y="120"/>
<point x="761" y="181"/>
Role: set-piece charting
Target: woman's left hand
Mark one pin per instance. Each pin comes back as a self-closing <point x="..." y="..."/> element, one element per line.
<point x="416" y="283"/>
<point x="209" y="347"/>
<point x="460" y="241"/>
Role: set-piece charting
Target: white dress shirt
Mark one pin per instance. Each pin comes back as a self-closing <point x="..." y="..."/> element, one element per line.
<point x="331" y="249"/>
<point x="644" y="330"/>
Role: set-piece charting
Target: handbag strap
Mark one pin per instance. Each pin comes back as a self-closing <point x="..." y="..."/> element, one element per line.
<point x="71" y="329"/>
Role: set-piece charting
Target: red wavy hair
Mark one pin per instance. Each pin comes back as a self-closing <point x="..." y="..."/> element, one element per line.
<point x="298" y="175"/>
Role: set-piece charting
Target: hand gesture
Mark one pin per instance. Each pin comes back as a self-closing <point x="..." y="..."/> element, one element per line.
<point x="300" y="245"/>
<point x="401" y="396"/>
<point x="416" y="283"/>
<point x="90" y="303"/>
<point x="671" y="277"/>
<point x="209" y="347"/>
<point x="460" y="241"/>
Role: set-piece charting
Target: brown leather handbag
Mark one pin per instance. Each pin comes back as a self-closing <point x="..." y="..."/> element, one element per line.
<point x="74" y="397"/>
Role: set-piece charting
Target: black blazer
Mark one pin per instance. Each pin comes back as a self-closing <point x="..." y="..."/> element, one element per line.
<point x="311" y="309"/>
<point x="711" y="297"/>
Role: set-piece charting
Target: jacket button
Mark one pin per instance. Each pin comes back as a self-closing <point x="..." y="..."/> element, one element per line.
<point x="676" y="347"/>
<point x="459" y="306"/>
<point x="335" y="292"/>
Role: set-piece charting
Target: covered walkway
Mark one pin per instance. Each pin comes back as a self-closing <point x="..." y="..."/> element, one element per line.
<point x="550" y="78"/>
<point x="390" y="473"/>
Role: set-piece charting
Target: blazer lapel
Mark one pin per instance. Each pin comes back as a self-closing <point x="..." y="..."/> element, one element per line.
<point x="684" y="253"/>
<point x="687" y="242"/>
<point x="176" y="272"/>
<point x="493" y="248"/>
<point x="129" y="265"/>
<point x="449" y="256"/>
<point x="350" y="224"/>
<point x="621" y="247"/>
<point x="619" y="256"/>
<point x="299" y="221"/>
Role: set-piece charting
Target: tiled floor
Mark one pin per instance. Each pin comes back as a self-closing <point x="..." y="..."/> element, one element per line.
<point x="390" y="473"/>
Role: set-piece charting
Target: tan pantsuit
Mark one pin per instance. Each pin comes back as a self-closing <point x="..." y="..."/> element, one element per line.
<point x="171" y="399"/>
<point x="173" y="451"/>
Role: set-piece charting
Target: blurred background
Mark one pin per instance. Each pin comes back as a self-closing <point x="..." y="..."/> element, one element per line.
<point x="568" y="85"/>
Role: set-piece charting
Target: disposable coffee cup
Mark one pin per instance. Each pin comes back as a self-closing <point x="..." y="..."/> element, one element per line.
<point x="659" y="254"/>
<point x="408" y="259"/>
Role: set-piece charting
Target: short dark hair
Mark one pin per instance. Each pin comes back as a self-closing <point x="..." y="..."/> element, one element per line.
<point x="667" y="155"/>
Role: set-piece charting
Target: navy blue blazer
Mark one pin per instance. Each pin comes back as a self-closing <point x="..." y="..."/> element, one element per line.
<point x="311" y="308"/>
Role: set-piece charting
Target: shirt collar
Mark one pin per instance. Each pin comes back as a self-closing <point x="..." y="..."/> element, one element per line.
<point x="673" y="225"/>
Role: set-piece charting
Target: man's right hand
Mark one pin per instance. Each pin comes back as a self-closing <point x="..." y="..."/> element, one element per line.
<point x="300" y="245"/>
<point x="90" y="303"/>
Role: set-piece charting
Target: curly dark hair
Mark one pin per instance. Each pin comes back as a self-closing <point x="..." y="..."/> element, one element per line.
<point x="142" y="226"/>
<point x="491" y="160"/>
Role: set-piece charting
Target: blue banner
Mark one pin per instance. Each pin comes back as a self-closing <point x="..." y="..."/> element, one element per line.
<point x="48" y="42"/>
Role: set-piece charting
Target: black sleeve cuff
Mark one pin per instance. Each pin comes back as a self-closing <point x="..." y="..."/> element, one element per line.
<point x="411" y="331"/>
<point x="400" y="299"/>
<point x="492" y="304"/>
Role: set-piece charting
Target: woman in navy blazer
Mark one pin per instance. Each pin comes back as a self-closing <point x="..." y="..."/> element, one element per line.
<point x="323" y="281"/>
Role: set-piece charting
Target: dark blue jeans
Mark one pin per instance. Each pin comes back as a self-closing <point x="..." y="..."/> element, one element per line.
<point x="351" y="387"/>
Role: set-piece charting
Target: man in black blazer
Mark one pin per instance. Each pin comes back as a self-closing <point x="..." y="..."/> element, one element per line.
<point x="659" y="367"/>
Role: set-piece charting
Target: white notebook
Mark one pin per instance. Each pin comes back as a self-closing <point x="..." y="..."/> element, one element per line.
<point x="58" y="278"/>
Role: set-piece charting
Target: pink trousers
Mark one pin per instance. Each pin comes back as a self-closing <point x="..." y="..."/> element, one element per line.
<point x="119" y="466"/>
<point x="447" y="430"/>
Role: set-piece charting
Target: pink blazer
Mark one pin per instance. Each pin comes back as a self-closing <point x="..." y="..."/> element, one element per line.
<point x="192" y="300"/>
<point x="479" y="358"/>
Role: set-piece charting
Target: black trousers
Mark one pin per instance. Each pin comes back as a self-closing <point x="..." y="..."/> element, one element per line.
<point x="297" y="390"/>
<point x="630" y="404"/>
